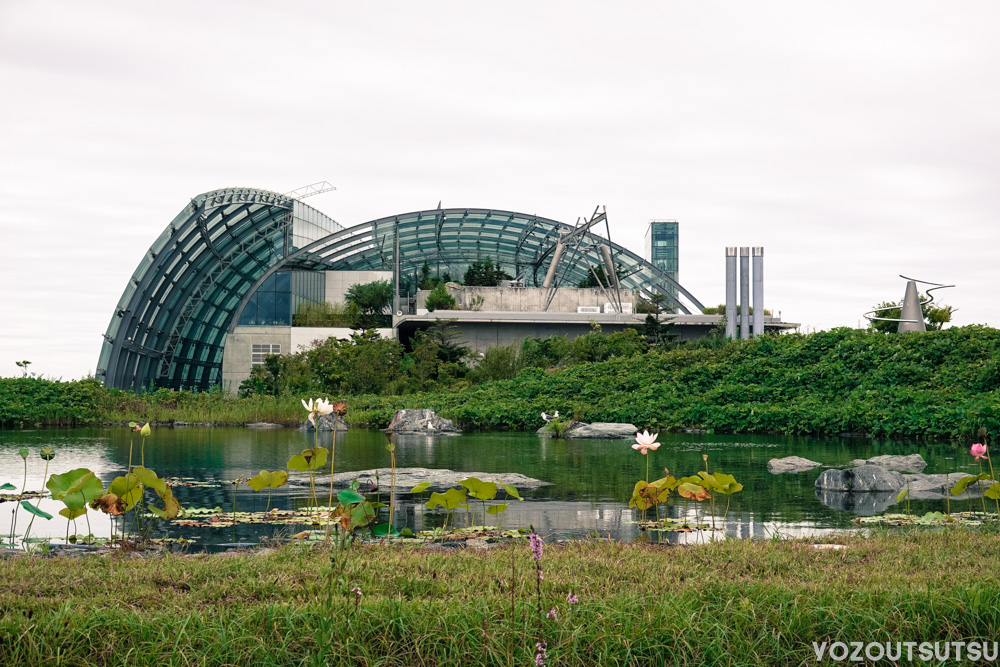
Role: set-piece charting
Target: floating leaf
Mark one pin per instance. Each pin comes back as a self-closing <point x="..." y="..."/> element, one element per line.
<point x="8" y="487"/>
<point x="480" y="489"/>
<point x="72" y="513"/>
<point x="420" y="488"/>
<point x="34" y="510"/>
<point x="496" y="509"/>
<point x="309" y="459"/>
<point x="349" y="497"/>
<point x="75" y="488"/>
<point x="268" y="480"/>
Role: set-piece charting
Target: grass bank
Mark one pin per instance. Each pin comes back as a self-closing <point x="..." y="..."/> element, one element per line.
<point x="937" y="384"/>
<point x="736" y="602"/>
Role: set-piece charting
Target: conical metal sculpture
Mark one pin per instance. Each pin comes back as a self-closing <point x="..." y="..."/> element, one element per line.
<point x="911" y="317"/>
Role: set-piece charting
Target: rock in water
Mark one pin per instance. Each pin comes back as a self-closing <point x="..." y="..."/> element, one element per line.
<point x="421" y="421"/>
<point x="864" y="479"/>
<point x="325" y="423"/>
<point x="790" y="464"/>
<point x="602" y="430"/>
<point x="911" y="463"/>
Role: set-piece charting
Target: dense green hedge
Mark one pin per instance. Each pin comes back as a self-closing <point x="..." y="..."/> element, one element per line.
<point x="935" y="384"/>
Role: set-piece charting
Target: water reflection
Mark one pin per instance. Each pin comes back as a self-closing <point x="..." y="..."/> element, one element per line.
<point x="591" y="480"/>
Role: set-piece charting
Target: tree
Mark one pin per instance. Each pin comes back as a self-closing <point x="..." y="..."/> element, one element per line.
<point x="23" y="365"/>
<point x="372" y="300"/>
<point x="589" y="281"/>
<point x="935" y="317"/>
<point x="439" y="299"/>
<point x="654" y="331"/>
<point x="484" y="273"/>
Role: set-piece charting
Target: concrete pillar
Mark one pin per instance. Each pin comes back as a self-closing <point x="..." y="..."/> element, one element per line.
<point x="758" y="290"/>
<point x="744" y="292"/>
<point x="731" y="292"/>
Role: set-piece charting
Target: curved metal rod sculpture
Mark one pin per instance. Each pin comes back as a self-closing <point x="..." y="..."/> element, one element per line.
<point x="870" y="317"/>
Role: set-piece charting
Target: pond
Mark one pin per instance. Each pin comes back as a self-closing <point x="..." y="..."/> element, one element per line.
<point x="590" y="481"/>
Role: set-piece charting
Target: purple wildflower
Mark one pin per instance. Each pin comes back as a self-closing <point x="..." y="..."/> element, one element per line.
<point x="536" y="546"/>
<point x="540" y="655"/>
<point x="572" y="599"/>
<point x="552" y="614"/>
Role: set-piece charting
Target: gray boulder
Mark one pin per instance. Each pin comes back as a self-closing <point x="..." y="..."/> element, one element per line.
<point x="602" y="430"/>
<point x="790" y="464"/>
<point x="864" y="479"/>
<point x="421" y="421"/>
<point x="899" y="463"/>
<point x="324" y="423"/>
<point x="937" y="487"/>
<point x="861" y="504"/>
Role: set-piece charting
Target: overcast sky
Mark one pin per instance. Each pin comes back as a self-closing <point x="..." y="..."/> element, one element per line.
<point x="855" y="141"/>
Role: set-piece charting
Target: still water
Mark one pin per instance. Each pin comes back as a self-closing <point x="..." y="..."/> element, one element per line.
<point x="590" y="481"/>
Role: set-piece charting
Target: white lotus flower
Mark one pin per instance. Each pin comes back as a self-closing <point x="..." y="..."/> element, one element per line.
<point x="322" y="406"/>
<point x="645" y="441"/>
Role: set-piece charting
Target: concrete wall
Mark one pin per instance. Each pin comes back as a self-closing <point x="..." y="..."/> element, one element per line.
<point x="337" y="282"/>
<point x="236" y="361"/>
<point x="528" y="299"/>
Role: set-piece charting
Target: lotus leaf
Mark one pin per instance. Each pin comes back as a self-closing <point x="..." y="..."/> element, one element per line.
<point x="511" y="491"/>
<point x="964" y="483"/>
<point x="309" y="459"/>
<point x="171" y="506"/>
<point x="993" y="492"/>
<point x="349" y="497"/>
<point x="128" y="489"/>
<point x="693" y="491"/>
<point x="479" y="489"/>
<point x="72" y="513"/>
<point x="8" y="487"/>
<point x="75" y="488"/>
<point x="268" y="480"/>
<point x="420" y="488"/>
<point x="109" y="503"/>
<point x="360" y="515"/>
<point x="382" y="530"/>
<point x="449" y="500"/>
<point x="496" y="509"/>
<point x="34" y="510"/>
<point x="638" y="500"/>
<point x="726" y="484"/>
<point x="148" y="478"/>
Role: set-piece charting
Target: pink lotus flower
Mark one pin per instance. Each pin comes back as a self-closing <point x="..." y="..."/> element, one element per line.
<point x="979" y="451"/>
<point x="644" y="442"/>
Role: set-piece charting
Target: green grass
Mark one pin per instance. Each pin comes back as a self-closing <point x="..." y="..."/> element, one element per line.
<point x="735" y="602"/>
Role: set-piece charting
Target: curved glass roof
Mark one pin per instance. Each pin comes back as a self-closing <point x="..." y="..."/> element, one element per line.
<point x="170" y="326"/>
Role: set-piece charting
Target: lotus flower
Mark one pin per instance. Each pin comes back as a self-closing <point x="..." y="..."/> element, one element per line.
<point x="321" y="407"/>
<point x="644" y="442"/>
<point x="979" y="451"/>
